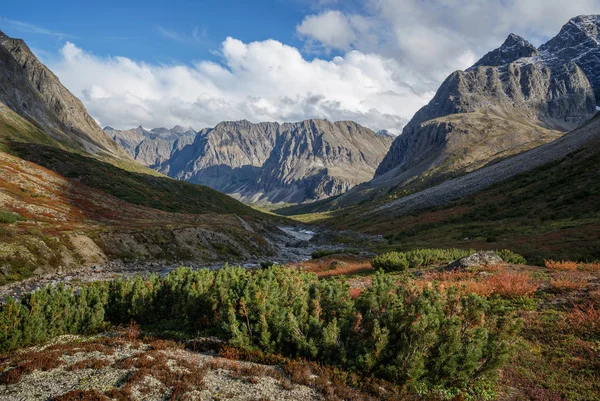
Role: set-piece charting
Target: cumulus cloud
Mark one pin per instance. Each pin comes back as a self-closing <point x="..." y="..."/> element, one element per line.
<point x="435" y="37"/>
<point x="395" y="55"/>
<point x="259" y="81"/>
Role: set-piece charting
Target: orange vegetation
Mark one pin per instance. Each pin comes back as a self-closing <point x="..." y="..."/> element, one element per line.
<point x="571" y="266"/>
<point x="506" y="284"/>
<point x="337" y="265"/>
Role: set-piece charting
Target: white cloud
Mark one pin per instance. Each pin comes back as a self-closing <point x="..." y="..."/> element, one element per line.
<point x="434" y="37"/>
<point x="331" y="28"/>
<point x="395" y="55"/>
<point x="259" y="81"/>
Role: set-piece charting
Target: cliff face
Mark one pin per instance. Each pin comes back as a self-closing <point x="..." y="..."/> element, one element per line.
<point x="266" y="162"/>
<point x="30" y="89"/>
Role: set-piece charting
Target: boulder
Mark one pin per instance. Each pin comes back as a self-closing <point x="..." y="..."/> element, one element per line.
<point x="478" y="259"/>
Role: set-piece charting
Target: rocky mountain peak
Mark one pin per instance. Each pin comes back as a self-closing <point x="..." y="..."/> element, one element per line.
<point x="31" y="90"/>
<point x="513" y="48"/>
<point x="578" y="41"/>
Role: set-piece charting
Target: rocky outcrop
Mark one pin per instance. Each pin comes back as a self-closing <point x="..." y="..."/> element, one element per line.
<point x="154" y="147"/>
<point x="30" y="89"/>
<point x="478" y="259"/>
<point x="265" y="162"/>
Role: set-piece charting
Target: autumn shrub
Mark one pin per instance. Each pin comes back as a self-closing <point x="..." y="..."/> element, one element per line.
<point x="561" y="265"/>
<point x="512" y="284"/>
<point x="568" y="282"/>
<point x="585" y="319"/>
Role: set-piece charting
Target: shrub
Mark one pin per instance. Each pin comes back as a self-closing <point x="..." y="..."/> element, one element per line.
<point x="398" y="261"/>
<point x="9" y="217"/>
<point x="433" y="338"/>
<point x="510" y="257"/>
<point x="391" y="261"/>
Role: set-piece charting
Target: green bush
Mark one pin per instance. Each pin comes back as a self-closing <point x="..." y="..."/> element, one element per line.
<point x="328" y="252"/>
<point x="391" y="261"/>
<point x="9" y="217"/>
<point x="398" y="261"/>
<point x="430" y="339"/>
<point x="511" y="257"/>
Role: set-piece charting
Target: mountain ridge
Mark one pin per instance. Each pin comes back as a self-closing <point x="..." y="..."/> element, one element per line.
<point x="266" y="162"/>
<point x="524" y="98"/>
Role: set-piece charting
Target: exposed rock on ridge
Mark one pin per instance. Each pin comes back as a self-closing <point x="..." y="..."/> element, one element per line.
<point x="266" y="162"/>
<point x="29" y="88"/>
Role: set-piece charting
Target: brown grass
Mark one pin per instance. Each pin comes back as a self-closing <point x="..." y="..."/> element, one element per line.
<point x="341" y="265"/>
<point x="24" y="363"/>
<point x="568" y="281"/>
<point x="507" y="284"/>
<point x="585" y="319"/>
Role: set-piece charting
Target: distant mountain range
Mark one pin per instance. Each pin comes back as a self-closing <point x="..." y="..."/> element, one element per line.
<point x="263" y="162"/>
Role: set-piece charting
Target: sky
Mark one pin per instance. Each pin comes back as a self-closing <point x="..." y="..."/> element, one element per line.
<point x="196" y="63"/>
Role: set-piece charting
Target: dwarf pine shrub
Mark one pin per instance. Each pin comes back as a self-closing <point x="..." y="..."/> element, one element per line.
<point x="428" y="339"/>
<point x="399" y="261"/>
<point x="510" y="257"/>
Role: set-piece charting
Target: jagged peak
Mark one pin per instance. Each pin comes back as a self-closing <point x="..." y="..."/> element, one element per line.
<point x="584" y="20"/>
<point x="513" y="48"/>
<point x="108" y="128"/>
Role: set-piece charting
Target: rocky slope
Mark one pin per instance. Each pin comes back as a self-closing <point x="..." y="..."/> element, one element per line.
<point x="71" y="197"/>
<point x="515" y="98"/>
<point x="264" y="162"/>
<point x="30" y="89"/>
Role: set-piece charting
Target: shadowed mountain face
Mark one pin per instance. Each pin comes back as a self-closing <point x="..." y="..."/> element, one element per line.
<point x="515" y="98"/>
<point x="264" y="162"/>
<point x="30" y="89"/>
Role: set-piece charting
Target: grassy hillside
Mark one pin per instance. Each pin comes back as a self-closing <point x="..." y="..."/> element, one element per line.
<point x="124" y="179"/>
<point x="61" y="208"/>
<point x="550" y="212"/>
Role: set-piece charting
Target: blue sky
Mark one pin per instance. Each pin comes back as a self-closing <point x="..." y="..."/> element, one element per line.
<point x="196" y="63"/>
<point x="179" y="31"/>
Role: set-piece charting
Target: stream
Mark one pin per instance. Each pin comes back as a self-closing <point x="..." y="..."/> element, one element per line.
<point x="294" y="246"/>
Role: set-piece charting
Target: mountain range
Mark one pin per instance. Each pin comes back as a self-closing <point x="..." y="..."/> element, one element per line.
<point x="263" y="162"/>
<point x="70" y="196"/>
<point x="515" y="98"/>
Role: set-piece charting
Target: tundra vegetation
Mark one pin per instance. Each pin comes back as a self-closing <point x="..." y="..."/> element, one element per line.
<point x="426" y="340"/>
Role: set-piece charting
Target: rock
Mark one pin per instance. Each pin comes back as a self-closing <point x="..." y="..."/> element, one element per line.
<point x="32" y="90"/>
<point x="38" y="271"/>
<point x="478" y="259"/>
<point x="264" y="162"/>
